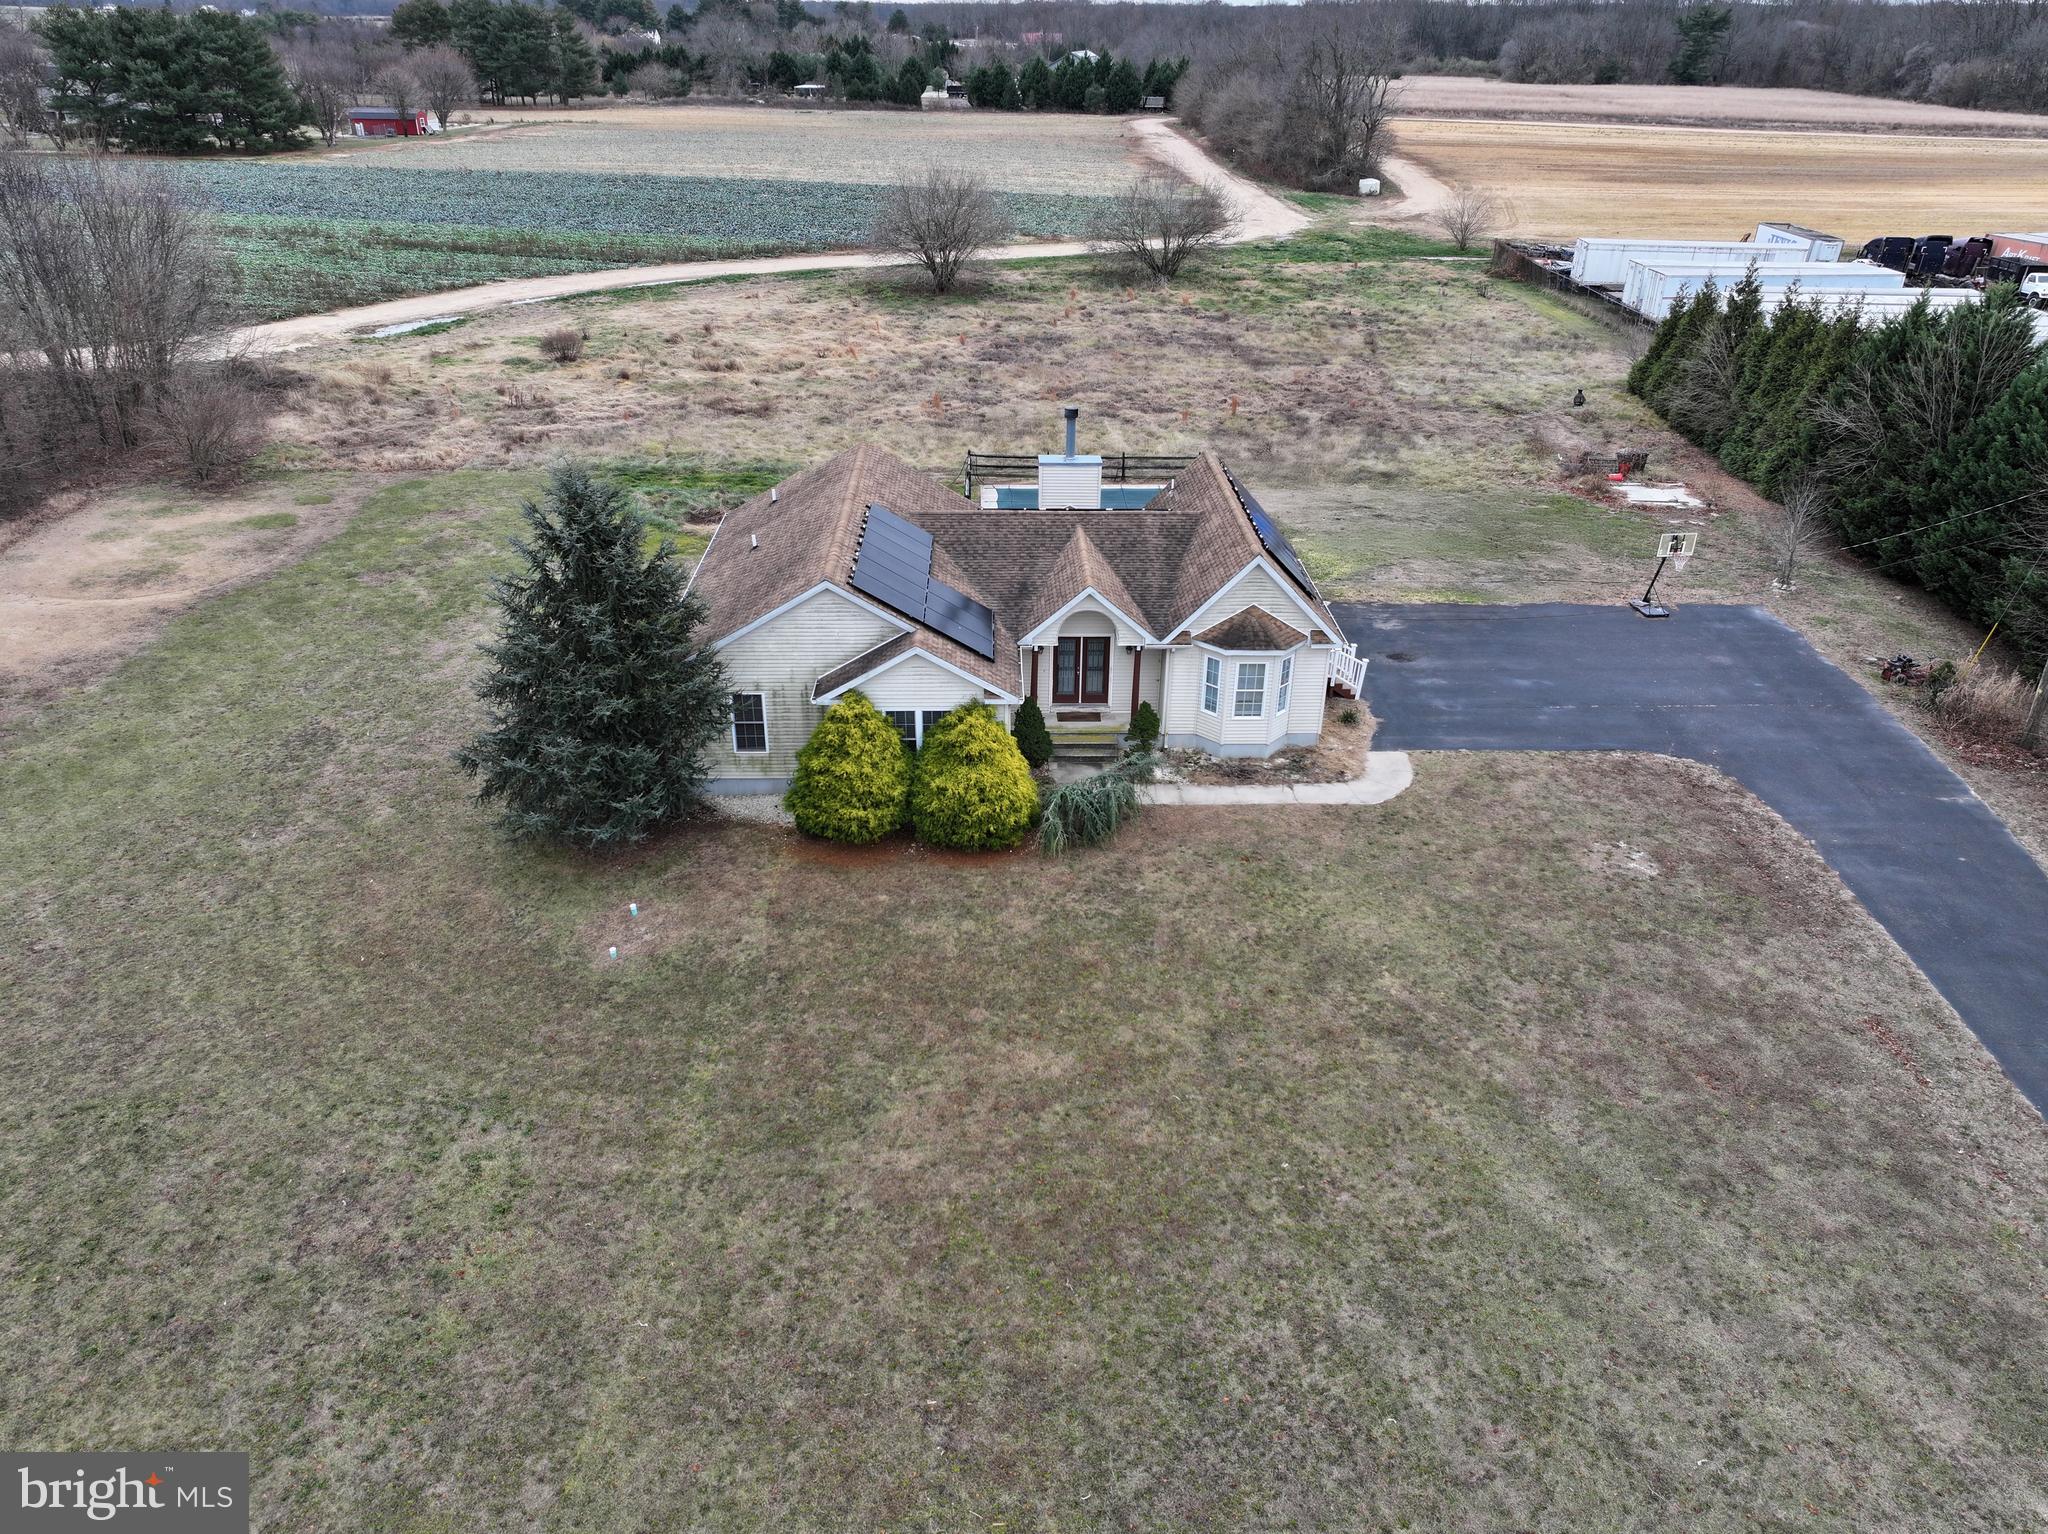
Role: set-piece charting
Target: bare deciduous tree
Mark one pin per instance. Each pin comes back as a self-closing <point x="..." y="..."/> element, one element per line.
<point x="210" y="431"/>
<point x="445" y="80"/>
<point x="24" y="78"/>
<point x="325" y="78"/>
<point x="1304" y="97"/>
<point x="111" y="288"/>
<point x="1344" y="90"/>
<point x="399" y="86"/>
<point x="1472" y="215"/>
<point x="656" y="81"/>
<point x="1159" y="224"/>
<point x="1796" y="528"/>
<point x="942" y="220"/>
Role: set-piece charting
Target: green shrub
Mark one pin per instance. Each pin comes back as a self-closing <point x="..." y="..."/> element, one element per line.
<point x="1090" y="812"/>
<point x="1033" y="738"/>
<point x="852" y="780"/>
<point x="1144" y="731"/>
<point x="971" y="786"/>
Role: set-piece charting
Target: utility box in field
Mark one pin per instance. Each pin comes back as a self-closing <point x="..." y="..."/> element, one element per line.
<point x="1604" y="263"/>
<point x="1818" y="246"/>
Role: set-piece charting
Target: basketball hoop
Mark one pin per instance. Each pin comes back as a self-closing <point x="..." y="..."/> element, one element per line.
<point x="1672" y="549"/>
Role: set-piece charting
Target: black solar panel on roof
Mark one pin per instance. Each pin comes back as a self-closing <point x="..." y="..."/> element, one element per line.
<point x="1275" y="542"/>
<point x="894" y="566"/>
<point x="959" y="617"/>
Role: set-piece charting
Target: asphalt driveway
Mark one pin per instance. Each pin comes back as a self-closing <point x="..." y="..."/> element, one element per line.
<point x="1734" y="687"/>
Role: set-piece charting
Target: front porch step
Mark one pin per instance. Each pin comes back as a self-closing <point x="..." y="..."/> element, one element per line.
<point x="1093" y="742"/>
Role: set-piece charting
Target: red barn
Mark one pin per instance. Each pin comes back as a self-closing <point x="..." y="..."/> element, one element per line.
<point x="386" y="122"/>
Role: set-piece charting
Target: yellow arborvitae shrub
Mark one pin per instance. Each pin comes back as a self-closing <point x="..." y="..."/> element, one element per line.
<point x="971" y="787"/>
<point x="852" y="777"/>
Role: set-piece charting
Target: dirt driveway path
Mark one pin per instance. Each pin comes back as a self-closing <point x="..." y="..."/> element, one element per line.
<point x="1261" y="216"/>
<point x="1737" y="689"/>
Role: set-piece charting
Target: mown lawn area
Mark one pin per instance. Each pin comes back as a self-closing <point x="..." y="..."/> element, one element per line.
<point x="1554" y="1147"/>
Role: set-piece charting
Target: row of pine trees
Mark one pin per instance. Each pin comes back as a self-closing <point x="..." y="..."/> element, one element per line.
<point x="1923" y="440"/>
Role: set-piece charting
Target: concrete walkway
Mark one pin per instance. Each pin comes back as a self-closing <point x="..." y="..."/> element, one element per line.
<point x="1386" y="774"/>
<point x="1735" y="688"/>
<point x="1261" y="216"/>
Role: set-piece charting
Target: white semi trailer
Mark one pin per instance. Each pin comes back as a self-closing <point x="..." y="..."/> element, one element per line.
<point x="1818" y="246"/>
<point x="1651" y="288"/>
<point x="1605" y="263"/>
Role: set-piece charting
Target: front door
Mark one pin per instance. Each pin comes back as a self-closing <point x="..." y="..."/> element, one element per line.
<point x="1080" y="671"/>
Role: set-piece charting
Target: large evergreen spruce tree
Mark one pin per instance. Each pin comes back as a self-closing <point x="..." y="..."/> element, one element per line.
<point x="602" y="699"/>
<point x="1995" y="484"/>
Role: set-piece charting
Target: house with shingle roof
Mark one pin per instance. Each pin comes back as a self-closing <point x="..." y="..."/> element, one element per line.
<point x="863" y="572"/>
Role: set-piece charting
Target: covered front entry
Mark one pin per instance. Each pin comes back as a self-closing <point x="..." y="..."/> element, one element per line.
<point x="1089" y="682"/>
<point x="1080" y="670"/>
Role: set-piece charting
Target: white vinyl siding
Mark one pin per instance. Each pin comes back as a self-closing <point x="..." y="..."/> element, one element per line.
<point x="1311" y="678"/>
<point x="919" y="686"/>
<point x="782" y="660"/>
<point x="1255" y="588"/>
<point x="1212" y="684"/>
<point x="1248" y="697"/>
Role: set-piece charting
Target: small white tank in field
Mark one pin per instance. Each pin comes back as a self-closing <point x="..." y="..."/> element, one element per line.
<point x="1369" y="187"/>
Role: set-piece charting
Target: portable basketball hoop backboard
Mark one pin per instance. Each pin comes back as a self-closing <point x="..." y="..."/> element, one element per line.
<point x="1677" y="547"/>
<point x="1672" y="548"/>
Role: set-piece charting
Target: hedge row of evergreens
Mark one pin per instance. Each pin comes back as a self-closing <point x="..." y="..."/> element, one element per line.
<point x="1926" y="438"/>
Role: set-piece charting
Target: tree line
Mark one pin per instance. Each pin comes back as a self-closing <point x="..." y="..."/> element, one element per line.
<point x="1965" y="53"/>
<point x="1922" y="442"/>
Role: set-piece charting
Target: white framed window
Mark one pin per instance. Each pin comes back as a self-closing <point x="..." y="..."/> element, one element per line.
<point x="1212" y="685"/>
<point x="749" y="723"/>
<point x="1286" y="688"/>
<point x="905" y="722"/>
<point x="1249" y="699"/>
<point x="929" y="721"/>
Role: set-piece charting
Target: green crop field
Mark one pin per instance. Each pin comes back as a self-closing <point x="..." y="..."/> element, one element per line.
<point x="312" y="236"/>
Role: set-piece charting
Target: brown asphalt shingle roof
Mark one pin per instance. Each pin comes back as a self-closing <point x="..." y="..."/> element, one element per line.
<point x="1158" y="563"/>
<point x="1252" y="629"/>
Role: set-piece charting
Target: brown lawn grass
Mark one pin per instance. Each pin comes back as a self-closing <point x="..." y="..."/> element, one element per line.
<point x="1402" y="414"/>
<point x="1521" y="1153"/>
<point x="1570" y="179"/>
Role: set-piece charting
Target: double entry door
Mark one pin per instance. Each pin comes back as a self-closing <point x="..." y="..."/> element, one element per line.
<point x="1080" y="671"/>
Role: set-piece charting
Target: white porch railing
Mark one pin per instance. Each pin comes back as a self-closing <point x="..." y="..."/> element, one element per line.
<point x="1347" y="669"/>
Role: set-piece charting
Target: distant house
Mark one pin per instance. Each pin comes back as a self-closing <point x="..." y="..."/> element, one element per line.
<point x="1042" y="39"/>
<point x="1084" y="56"/>
<point x="809" y="91"/>
<point x="389" y="122"/>
<point x="1090" y="598"/>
